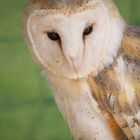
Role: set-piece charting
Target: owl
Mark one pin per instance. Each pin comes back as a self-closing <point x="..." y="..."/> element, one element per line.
<point x="91" y="58"/>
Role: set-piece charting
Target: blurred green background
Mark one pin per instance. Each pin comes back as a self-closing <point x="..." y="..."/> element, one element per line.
<point x="27" y="108"/>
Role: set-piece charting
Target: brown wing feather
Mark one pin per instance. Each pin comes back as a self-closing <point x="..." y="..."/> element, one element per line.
<point x="131" y="42"/>
<point x="131" y="52"/>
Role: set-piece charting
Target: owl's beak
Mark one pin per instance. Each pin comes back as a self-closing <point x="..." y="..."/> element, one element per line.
<point x="73" y="50"/>
<point x="75" y="63"/>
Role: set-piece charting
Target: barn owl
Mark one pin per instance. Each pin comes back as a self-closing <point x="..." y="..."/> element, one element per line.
<point x="91" y="59"/>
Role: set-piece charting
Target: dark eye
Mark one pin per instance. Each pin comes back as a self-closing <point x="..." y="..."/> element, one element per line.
<point x="53" y="36"/>
<point x="88" y="30"/>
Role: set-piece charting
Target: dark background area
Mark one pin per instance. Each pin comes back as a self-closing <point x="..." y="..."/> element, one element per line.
<point x="27" y="108"/>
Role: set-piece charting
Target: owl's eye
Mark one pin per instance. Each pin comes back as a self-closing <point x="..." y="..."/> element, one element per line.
<point x="53" y="36"/>
<point x="87" y="30"/>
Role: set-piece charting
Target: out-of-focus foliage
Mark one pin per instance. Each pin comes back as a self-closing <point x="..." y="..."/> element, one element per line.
<point x="27" y="108"/>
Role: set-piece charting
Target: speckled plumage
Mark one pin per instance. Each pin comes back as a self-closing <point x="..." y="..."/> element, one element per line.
<point x="95" y="79"/>
<point x="108" y="90"/>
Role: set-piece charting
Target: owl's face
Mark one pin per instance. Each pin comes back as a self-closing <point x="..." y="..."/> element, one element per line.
<point x="73" y="45"/>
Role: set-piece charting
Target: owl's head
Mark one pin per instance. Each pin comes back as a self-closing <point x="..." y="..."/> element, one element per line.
<point x="72" y="39"/>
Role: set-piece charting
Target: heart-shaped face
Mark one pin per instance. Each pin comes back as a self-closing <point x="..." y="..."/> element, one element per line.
<point x="73" y="42"/>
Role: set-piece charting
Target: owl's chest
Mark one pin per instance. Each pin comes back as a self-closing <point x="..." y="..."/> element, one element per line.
<point x="82" y="112"/>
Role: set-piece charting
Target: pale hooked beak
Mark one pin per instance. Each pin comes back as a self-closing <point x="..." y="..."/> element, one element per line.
<point x="75" y="63"/>
<point x="73" y="51"/>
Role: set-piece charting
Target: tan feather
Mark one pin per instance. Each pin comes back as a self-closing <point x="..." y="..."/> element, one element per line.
<point x="131" y="42"/>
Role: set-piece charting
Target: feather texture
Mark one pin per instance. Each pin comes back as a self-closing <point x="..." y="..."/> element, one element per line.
<point x="117" y="88"/>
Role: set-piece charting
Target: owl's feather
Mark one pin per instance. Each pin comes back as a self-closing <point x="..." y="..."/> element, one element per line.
<point x="131" y="42"/>
<point x="117" y="88"/>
